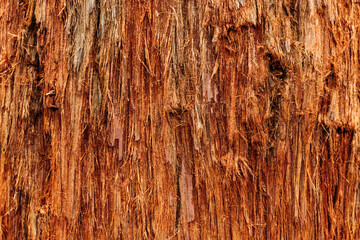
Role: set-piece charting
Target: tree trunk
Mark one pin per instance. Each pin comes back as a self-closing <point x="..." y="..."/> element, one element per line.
<point x="175" y="119"/>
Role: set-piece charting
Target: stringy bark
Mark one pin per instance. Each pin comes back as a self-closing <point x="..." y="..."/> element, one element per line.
<point x="179" y="119"/>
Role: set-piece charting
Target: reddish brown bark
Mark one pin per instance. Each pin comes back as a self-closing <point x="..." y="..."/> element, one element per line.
<point x="179" y="119"/>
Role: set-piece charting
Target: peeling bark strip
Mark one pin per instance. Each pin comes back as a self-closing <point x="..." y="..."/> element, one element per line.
<point x="179" y="119"/>
<point x="116" y="133"/>
<point x="187" y="193"/>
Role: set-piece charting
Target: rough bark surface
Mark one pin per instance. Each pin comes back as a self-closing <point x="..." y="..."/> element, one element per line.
<point x="172" y="119"/>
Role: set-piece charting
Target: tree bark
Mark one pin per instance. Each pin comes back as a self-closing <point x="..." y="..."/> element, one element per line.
<point x="173" y="119"/>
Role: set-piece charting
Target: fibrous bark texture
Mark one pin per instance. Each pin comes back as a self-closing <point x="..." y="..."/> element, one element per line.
<point x="204" y="119"/>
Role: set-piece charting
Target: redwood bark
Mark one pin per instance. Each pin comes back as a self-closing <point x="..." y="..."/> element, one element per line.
<point x="173" y="119"/>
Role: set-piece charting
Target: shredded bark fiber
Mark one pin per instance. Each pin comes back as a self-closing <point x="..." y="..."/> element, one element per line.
<point x="174" y="119"/>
